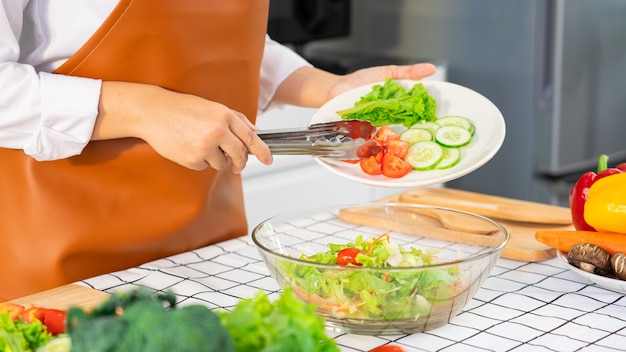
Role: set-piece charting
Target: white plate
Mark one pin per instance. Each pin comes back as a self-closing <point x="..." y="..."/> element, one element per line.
<point x="452" y="99"/>
<point x="616" y="285"/>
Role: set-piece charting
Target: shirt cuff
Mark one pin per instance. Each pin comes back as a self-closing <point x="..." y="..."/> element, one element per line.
<point x="69" y="108"/>
<point x="278" y="63"/>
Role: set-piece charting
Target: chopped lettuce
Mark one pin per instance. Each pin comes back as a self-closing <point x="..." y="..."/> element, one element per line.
<point x="392" y="104"/>
<point x="21" y="336"/>
<point x="381" y="290"/>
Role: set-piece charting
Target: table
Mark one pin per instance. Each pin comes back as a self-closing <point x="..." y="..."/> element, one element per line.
<point x="522" y="306"/>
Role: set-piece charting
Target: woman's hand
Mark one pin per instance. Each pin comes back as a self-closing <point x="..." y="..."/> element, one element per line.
<point x="380" y="73"/>
<point x="191" y="131"/>
<point x="312" y="87"/>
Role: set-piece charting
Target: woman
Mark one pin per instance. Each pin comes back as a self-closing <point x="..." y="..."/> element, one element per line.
<point x="124" y="126"/>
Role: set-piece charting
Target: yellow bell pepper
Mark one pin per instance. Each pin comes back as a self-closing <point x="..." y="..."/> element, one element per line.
<point x="605" y="209"/>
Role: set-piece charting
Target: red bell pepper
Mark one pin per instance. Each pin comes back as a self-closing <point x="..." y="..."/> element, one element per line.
<point x="578" y="193"/>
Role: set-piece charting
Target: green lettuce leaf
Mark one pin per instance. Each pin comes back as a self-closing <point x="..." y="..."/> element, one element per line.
<point x="392" y="104"/>
<point x="260" y="325"/>
<point x="21" y="336"/>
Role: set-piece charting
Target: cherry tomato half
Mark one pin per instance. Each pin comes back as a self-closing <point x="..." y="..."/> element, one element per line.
<point x="385" y="134"/>
<point x="32" y="313"/>
<point x="395" y="167"/>
<point x="358" y="129"/>
<point x="368" y="149"/>
<point x="53" y="319"/>
<point x="379" y="156"/>
<point x="370" y="166"/>
<point x="14" y="309"/>
<point x="348" y="256"/>
<point x="397" y="147"/>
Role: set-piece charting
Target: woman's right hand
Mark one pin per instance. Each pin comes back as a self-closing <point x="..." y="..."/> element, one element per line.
<point x="189" y="130"/>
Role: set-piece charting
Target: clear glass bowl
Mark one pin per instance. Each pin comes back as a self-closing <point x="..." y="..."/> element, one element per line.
<point x="382" y="300"/>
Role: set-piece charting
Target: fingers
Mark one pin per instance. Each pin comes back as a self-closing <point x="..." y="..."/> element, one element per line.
<point x="232" y="143"/>
<point x="246" y="142"/>
<point x="216" y="159"/>
<point x="227" y="141"/>
<point x="380" y="73"/>
<point x="191" y="131"/>
<point x="243" y="118"/>
<point x="415" y="72"/>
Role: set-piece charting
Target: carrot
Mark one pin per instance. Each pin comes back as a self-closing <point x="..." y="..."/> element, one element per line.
<point x="330" y="306"/>
<point x="563" y="240"/>
<point x="377" y="239"/>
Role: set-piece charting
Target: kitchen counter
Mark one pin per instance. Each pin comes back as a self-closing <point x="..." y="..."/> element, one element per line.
<point x="522" y="306"/>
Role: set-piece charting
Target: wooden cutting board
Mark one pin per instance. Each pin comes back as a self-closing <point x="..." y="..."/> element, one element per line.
<point x="508" y="212"/>
<point x="490" y="206"/>
<point x="64" y="297"/>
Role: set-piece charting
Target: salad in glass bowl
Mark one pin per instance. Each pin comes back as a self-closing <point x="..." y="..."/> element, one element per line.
<point x="381" y="268"/>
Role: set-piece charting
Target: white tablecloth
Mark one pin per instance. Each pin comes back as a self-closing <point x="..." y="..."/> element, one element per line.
<point x="522" y="306"/>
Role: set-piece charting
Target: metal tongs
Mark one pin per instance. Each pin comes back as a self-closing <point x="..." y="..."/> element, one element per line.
<point x="345" y="128"/>
<point x="337" y="139"/>
<point x="345" y="149"/>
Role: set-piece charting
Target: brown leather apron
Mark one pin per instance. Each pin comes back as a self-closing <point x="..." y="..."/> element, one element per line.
<point x="119" y="203"/>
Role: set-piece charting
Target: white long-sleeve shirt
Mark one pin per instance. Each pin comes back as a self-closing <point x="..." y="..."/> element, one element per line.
<point x="52" y="116"/>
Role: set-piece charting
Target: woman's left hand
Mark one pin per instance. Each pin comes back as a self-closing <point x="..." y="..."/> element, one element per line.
<point x="380" y="73"/>
<point x="312" y="87"/>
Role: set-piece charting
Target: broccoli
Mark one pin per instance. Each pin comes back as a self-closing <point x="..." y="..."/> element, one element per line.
<point x="141" y="320"/>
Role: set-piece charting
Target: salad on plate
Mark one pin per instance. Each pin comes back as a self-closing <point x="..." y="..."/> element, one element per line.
<point x="451" y="131"/>
<point x="410" y="135"/>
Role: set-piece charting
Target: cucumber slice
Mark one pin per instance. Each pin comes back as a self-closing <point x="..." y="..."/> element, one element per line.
<point x="454" y="121"/>
<point x="451" y="157"/>
<point x="428" y="125"/>
<point x="453" y="136"/>
<point x="424" y="155"/>
<point x="472" y="129"/>
<point x="457" y="121"/>
<point x="414" y="135"/>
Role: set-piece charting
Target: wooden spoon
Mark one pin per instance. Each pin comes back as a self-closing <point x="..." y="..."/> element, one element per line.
<point x="457" y="221"/>
<point x="404" y="221"/>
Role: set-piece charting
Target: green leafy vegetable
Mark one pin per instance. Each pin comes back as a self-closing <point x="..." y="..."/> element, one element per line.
<point x="21" y="336"/>
<point x="141" y="320"/>
<point x="392" y="104"/>
<point x="379" y="288"/>
<point x="260" y="325"/>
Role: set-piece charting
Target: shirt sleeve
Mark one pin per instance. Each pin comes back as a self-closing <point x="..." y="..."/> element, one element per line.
<point x="49" y="116"/>
<point x="278" y="63"/>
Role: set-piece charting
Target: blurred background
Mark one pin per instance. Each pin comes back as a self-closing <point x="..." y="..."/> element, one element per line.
<point x="556" y="69"/>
